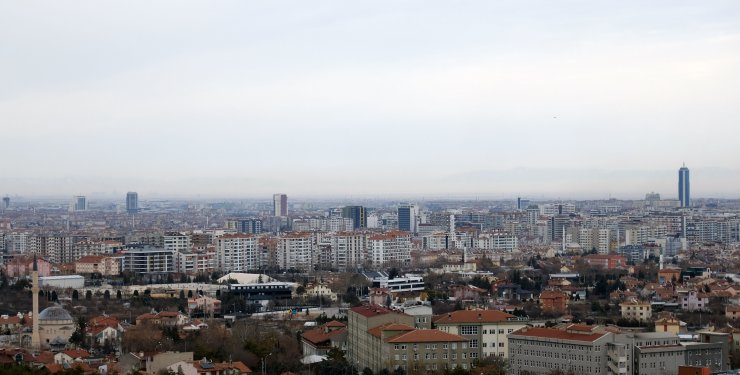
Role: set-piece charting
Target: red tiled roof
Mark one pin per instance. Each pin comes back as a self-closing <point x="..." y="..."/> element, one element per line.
<point x="551" y="333"/>
<point x="91" y="259"/>
<point x="372" y="310"/>
<point x="425" y="335"/>
<point x="319" y="335"/>
<point x="473" y="316"/>
<point x="377" y="331"/>
<point x="335" y="323"/>
<point x="77" y="353"/>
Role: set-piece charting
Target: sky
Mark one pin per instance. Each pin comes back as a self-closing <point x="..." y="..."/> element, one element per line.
<point x="570" y="99"/>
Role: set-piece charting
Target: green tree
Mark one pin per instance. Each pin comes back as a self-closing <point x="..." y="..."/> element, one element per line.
<point x="106" y="295"/>
<point x="78" y="336"/>
<point x="182" y="294"/>
<point x="119" y="295"/>
<point x="88" y="295"/>
<point x="190" y="294"/>
<point x="136" y="292"/>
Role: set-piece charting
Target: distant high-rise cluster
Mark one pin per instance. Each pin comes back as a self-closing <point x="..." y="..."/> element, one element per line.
<point x="132" y="202"/>
<point x="280" y="204"/>
<point x="684" y="196"/>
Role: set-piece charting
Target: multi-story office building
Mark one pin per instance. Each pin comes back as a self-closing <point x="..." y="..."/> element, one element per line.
<point x="357" y="214"/>
<point x="684" y="190"/>
<point x="132" y="202"/>
<point x="389" y="247"/>
<point x="295" y="250"/>
<point x="238" y="253"/>
<point x="79" y="203"/>
<point x="484" y="330"/>
<point x="407" y="217"/>
<point x="280" y="205"/>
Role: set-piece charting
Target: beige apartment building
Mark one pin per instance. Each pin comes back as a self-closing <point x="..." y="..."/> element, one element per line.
<point x="485" y="330"/>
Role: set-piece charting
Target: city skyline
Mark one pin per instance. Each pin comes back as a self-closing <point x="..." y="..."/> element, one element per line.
<point x="487" y="99"/>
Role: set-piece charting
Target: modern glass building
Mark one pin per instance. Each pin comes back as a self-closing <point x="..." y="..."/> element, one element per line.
<point x="684" y="196"/>
<point x="357" y="214"/>
<point x="132" y="202"/>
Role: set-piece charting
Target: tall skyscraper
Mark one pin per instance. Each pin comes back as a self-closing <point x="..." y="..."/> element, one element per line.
<point x="683" y="187"/>
<point x="407" y="217"/>
<point x="132" y="202"/>
<point x="357" y="214"/>
<point x="6" y="201"/>
<point x="280" y="204"/>
<point x="79" y="203"/>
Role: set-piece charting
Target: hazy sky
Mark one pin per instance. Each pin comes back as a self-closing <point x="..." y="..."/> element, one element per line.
<point x="317" y="98"/>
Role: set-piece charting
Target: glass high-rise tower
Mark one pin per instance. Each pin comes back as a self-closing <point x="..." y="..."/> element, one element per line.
<point x="684" y="196"/>
<point x="132" y="202"/>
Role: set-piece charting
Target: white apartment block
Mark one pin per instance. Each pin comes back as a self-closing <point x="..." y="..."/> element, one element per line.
<point x="238" y="253"/>
<point x="348" y="250"/>
<point x="393" y="246"/>
<point x="295" y="250"/>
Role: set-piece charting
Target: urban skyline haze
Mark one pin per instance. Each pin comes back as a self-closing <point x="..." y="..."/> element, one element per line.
<point x="491" y="99"/>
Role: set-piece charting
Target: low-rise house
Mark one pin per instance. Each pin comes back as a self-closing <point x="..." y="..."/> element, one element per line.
<point x="691" y="300"/>
<point x="71" y="356"/>
<point x="553" y="301"/>
<point x="319" y="290"/>
<point x="163" y="318"/>
<point x="104" y="265"/>
<point x="732" y="312"/>
<point x="641" y="311"/>
<point x="206" y="367"/>
<point x="318" y="341"/>
<point x="204" y="304"/>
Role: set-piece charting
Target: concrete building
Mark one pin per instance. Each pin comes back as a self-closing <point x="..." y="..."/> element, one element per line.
<point x="362" y="349"/>
<point x="238" y="253"/>
<point x="63" y="282"/>
<point x="295" y="250"/>
<point x="590" y="349"/>
<point x="103" y="265"/>
<point x="280" y="205"/>
<point x="148" y="259"/>
<point x="348" y="250"/>
<point x="485" y="330"/>
<point x="641" y="311"/>
<point x="320" y="340"/>
<point x="390" y="247"/>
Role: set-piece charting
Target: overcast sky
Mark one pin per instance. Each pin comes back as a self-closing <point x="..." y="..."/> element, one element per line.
<point x="577" y="99"/>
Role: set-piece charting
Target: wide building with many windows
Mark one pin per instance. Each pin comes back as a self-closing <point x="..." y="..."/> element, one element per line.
<point x="485" y="330"/>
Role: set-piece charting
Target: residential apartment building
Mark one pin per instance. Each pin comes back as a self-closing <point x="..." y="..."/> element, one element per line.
<point x="484" y="330"/>
<point x="104" y="265"/>
<point x="295" y="250"/>
<point x="147" y="259"/>
<point x="238" y="253"/>
<point x="348" y="250"/>
<point x="641" y="311"/>
<point x="389" y="247"/>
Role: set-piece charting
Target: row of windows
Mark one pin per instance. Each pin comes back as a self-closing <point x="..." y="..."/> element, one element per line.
<point x="433" y="356"/>
<point x="445" y="346"/>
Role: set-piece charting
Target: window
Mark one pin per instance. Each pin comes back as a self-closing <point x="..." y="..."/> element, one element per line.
<point x="469" y="330"/>
<point x="445" y="346"/>
<point x="396" y="347"/>
<point x="500" y="331"/>
<point x="473" y="343"/>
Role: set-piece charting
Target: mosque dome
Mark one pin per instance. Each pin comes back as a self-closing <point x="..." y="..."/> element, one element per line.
<point x="55" y="313"/>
